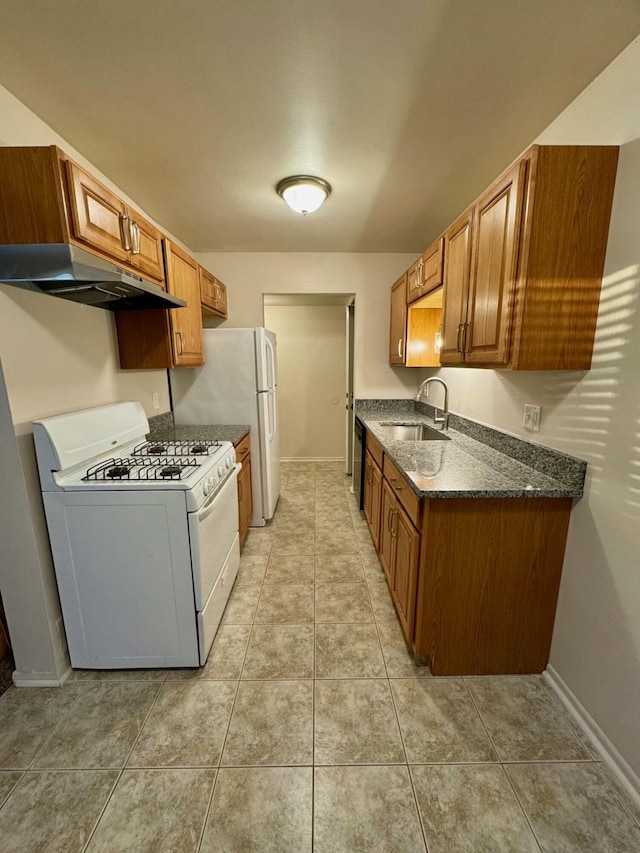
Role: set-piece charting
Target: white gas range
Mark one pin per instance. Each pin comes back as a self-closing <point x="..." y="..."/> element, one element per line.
<point x="144" y="536"/>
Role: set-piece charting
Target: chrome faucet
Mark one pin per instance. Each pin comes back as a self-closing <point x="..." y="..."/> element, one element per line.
<point x="444" y="417"/>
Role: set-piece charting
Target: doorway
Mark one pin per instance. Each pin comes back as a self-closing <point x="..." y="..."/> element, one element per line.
<point x="315" y="374"/>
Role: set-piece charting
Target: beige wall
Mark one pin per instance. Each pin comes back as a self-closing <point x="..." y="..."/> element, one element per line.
<point x="368" y="276"/>
<point x="596" y="416"/>
<point x="57" y="356"/>
<point x="311" y="379"/>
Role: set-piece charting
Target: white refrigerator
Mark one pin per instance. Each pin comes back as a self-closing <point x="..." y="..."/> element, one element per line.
<point x="238" y="385"/>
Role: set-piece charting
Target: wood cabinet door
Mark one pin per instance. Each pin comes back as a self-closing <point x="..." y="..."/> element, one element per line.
<point x="98" y="215"/>
<point x="146" y="247"/>
<point x="398" y="322"/>
<point x="186" y="323"/>
<point x="405" y="570"/>
<point x="372" y="496"/>
<point x="496" y="233"/>
<point x="245" y="497"/>
<point x="222" y="298"/>
<point x="414" y="281"/>
<point x="387" y="536"/>
<point x="432" y="269"/>
<point x="457" y="267"/>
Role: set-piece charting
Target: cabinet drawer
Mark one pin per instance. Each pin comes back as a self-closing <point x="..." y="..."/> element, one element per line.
<point x="374" y="449"/>
<point x="407" y="497"/>
<point x="243" y="448"/>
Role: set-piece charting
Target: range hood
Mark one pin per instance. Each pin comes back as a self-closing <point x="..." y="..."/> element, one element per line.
<point x="64" y="270"/>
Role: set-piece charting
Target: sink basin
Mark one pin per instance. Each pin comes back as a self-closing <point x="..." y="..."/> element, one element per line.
<point x="414" y="432"/>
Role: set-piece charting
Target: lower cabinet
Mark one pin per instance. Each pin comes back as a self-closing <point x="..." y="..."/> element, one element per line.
<point x="399" y="552"/>
<point x="372" y="496"/>
<point x="245" y="495"/>
<point x="474" y="580"/>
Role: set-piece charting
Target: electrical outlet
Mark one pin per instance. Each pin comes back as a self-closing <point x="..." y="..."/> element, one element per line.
<point x="156" y="401"/>
<point x="531" y="417"/>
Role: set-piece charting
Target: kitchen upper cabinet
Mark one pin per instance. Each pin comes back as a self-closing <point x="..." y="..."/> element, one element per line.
<point x="398" y="322"/>
<point x="183" y="280"/>
<point x="457" y="266"/>
<point x="102" y="221"/>
<point x="413" y="329"/>
<point x="426" y="273"/>
<point x="523" y="266"/>
<point x="165" y="339"/>
<point x="481" y="274"/>
<point x="99" y="217"/>
<point x="213" y="294"/>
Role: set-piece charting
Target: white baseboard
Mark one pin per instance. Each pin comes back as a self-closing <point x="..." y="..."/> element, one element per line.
<point x="312" y="459"/>
<point x="624" y="773"/>
<point x="40" y="679"/>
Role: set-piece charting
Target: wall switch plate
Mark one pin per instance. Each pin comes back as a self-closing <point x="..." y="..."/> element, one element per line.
<point x="531" y="417"/>
<point x="156" y="401"/>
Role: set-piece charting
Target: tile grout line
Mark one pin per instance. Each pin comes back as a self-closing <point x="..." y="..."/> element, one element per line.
<point x="614" y="790"/>
<point x="207" y="811"/>
<point x="124" y="766"/>
<point x="56" y="727"/>
<point x="495" y="749"/>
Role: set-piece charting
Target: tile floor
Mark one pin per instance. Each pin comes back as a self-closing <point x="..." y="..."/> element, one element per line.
<point x="309" y="728"/>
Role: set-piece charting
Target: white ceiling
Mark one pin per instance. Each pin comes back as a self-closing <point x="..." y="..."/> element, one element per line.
<point x="409" y="108"/>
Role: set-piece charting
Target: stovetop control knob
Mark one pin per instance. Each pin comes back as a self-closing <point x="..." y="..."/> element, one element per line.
<point x="221" y="470"/>
<point x="229" y="462"/>
<point x="206" y="487"/>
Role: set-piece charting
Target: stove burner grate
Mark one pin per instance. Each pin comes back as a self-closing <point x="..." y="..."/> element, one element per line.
<point x="142" y="468"/>
<point x="176" y="448"/>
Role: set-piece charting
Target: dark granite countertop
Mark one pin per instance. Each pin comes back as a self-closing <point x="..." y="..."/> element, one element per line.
<point x="203" y="432"/>
<point x="487" y="465"/>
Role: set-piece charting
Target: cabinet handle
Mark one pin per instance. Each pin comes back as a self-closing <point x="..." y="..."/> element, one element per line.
<point x="393" y="532"/>
<point x="459" y="337"/>
<point x="179" y="339"/>
<point x="420" y="282"/>
<point x="389" y="518"/>
<point x="125" y="232"/>
<point x="239" y="490"/>
<point x="136" y="238"/>
<point x="244" y="452"/>
<point x="400" y="347"/>
<point x="467" y="338"/>
<point x="370" y="479"/>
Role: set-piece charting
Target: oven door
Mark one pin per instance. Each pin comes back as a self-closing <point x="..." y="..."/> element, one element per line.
<point x="215" y="558"/>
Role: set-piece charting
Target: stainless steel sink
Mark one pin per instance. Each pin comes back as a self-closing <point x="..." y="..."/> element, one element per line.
<point x="414" y="432"/>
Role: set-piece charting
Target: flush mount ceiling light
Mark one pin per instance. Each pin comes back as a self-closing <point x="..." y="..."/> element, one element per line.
<point x="303" y="193"/>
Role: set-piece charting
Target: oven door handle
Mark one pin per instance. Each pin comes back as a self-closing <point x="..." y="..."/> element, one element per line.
<point x="208" y="507"/>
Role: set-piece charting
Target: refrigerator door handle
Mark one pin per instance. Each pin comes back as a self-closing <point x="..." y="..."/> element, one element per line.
<point x="273" y="424"/>
<point x="272" y="359"/>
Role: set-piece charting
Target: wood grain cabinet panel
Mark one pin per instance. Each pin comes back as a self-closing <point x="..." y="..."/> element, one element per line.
<point x="405" y="569"/>
<point x="523" y="266"/>
<point x="151" y="340"/>
<point x="146" y="247"/>
<point x="488" y="583"/>
<point x="387" y="541"/>
<point x="457" y="267"/>
<point x="186" y="323"/>
<point x="497" y="219"/>
<point x="398" y="322"/>
<point x="426" y="273"/>
<point x="245" y="495"/>
<point x="372" y="500"/>
<point x="99" y="217"/>
<point x="213" y="294"/>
